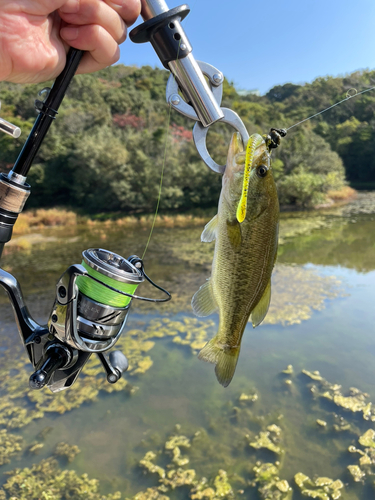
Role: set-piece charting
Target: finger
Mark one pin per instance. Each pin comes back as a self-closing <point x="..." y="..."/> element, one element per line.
<point x="129" y="10"/>
<point x="91" y="12"/>
<point x="101" y="47"/>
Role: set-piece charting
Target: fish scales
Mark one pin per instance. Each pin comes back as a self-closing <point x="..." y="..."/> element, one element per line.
<point x="243" y="259"/>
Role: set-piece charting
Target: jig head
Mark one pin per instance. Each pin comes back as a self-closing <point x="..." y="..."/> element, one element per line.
<point x="273" y="138"/>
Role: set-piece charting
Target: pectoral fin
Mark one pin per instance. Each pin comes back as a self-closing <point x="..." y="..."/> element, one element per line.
<point x="209" y="231"/>
<point x="260" y="311"/>
<point x="203" y="301"/>
<point x="234" y="233"/>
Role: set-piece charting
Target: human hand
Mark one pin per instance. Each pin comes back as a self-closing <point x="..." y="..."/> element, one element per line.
<point x="35" y="35"/>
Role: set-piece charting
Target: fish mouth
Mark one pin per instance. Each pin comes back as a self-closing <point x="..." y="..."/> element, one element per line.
<point x="253" y="144"/>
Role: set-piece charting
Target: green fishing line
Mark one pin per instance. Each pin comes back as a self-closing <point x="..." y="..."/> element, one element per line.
<point x="162" y="170"/>
<point x="102" y="294"/>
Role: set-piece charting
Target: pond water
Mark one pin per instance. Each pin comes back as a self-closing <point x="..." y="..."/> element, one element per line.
<point x="169" y="424"/>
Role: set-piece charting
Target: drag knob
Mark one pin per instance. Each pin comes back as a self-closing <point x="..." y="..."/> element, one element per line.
<point x="56" y="356"/>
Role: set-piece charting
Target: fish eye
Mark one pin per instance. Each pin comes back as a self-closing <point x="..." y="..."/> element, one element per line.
<point x="262" y="171"/>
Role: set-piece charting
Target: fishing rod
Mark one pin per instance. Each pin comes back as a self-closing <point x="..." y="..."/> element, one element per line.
<point x="92" y="299"/>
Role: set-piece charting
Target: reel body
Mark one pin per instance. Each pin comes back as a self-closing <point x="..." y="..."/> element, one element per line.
<point x="83" y="316"/>
<point x="88" y="317"/>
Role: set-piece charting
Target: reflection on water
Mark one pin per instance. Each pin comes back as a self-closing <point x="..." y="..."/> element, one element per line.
<point x="168" y="429"/>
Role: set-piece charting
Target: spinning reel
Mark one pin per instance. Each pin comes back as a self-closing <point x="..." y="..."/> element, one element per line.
<point x="88" y="317"/>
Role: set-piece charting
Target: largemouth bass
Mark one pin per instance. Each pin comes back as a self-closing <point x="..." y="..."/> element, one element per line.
<point x="246" y="233"/>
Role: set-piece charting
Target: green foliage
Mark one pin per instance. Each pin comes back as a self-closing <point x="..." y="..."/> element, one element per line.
<point x="106" y="150"/>
<point x="310" y="169"/>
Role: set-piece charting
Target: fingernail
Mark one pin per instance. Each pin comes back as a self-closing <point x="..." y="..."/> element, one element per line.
<point x="69" y="33"/>
<point x="70" y="7"/>
<point x="117" y="5"/>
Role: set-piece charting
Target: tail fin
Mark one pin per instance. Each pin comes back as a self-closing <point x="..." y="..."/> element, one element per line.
<point x="224" y="359"/>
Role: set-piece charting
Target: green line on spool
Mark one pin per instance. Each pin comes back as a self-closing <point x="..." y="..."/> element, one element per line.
<point x="102" y="294"/>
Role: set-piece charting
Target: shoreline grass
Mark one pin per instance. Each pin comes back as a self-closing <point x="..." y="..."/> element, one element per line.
<point x="38" y="219"/>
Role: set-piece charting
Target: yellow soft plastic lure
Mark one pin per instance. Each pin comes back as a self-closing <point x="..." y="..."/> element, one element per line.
<point x="253" y="142"/>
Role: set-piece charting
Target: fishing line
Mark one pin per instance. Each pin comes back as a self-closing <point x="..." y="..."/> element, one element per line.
<point x="162" y="169"/>
<point x="348" y="96"/>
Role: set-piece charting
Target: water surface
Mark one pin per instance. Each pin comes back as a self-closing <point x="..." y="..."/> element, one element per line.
<point x="321" y="319"/>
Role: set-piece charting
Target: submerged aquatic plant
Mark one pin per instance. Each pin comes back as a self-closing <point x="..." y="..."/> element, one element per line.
<point x="10" y="445"/>
<point x="269" y="439"/>
<point x="322" y="488"/>
<point x="366" y="466"/>
<point x="66" y="450"/>
<point x="355" y="401"/>
<point x="270" y="486"/>
<point x="46" y="481"/>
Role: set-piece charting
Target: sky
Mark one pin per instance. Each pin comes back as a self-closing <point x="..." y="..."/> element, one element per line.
<point x="258" y="45"/>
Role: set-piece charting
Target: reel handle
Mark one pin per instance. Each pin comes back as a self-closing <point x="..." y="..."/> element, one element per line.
<point x="56" y="356"/>
<point x="115" y="366"/>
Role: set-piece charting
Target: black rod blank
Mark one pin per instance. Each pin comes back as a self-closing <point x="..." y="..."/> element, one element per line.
<point x="47" y="112"/>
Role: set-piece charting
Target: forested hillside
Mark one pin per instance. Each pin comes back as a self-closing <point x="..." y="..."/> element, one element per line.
<point x="106" y="148"/>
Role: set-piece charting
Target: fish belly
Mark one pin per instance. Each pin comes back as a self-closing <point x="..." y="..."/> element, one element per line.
<point x="239" y="278"/>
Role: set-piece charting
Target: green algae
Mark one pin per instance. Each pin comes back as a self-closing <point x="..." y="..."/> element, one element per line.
<point x="149" y="494"/>
<point x="297" y="292"/>
<point x="244" y="422"/>
<point x="292" y="225"/>
<point x="222" y="485"/>
<point x="174" y="470"/>
<point x="221" y="488"/>
<point x="313" y="375"/>
<point x="366" y="466"/>
<point x="35" y="448"/>
<point x="270" y="486"/>
<point x="10" y="445"/>
<point x="183" y="476"/>
<point x="355" y="401"/>
<point x="66" y="450"/>
<point x="177" y="441"/>
<point x="248" y="398"/>
<point x="176" y="478"/>
<point x="341" y="424"/>
<point x="322" y="488"/>
<point x="357" y="473"/>
<point x="148" y="464"/>
<point x="289" y="370"/>
<point x="268" y="439"/>
<point x="15" y="411"/>
<point x="46" y="481"/>
<point x="368" y="439"/>
<point x="178" y="459"/>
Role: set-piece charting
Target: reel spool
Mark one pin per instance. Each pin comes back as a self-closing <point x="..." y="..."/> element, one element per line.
<point x="102" y="311"/>
<point x="92" y="316"/>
